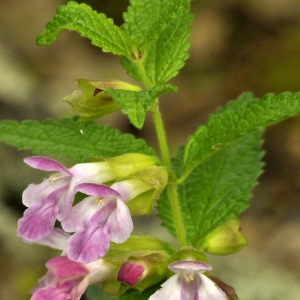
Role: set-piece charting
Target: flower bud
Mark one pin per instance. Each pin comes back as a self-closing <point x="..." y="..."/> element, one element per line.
<point x="145" y="271"/>
<point x="91" y="101"/>
<point x="225" y="239"/>
<point x="142" y="262"/>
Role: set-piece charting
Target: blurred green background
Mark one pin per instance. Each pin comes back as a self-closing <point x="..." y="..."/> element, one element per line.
<point x="237" y="46"/>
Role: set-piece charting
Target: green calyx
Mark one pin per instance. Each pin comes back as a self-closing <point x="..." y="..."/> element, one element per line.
<point x="188" y="253"/>
<point x="129" y="164"/>
<point x="225" y="239"/>
<point x="91" y="102"/>
<point x="156" y="178"/>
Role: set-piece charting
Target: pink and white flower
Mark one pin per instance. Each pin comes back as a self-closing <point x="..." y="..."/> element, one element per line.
<point x="64" y="280"/>
<point x="67" y="279"/>
<point x="52" y="199"/>
<point x="100" y="218"/>
<point x="189" y="283"/>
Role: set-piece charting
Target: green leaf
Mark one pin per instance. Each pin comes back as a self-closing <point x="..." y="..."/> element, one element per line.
<point x="136" y="295"/>
<point x="146" y="19"/>
<point x="93" y="293"/>
<point x="88" y="23"/>
<point x="217" y="190"/>
<point x="233" y="124"/>
<point x="162" y="38"/>
<point x="136" y="104"/>
<point x="76" y="141"/>
<point x="241" y="101"/>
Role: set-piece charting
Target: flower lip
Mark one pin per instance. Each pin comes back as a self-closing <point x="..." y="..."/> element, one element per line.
<point x="96" y="189"/>
<point x="45" y="164"/>
<point x="63" y="267"/>
<point x="199" y="266"/>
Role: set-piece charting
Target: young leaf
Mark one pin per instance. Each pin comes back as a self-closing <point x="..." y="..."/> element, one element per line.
<point x="217" y="190"/>
<point x="233" y="124"/>
<point x="136" y="104"/>
<point x="76" y="141"/>
<point x="162" y="38"/>
<point x="88" y="23"/>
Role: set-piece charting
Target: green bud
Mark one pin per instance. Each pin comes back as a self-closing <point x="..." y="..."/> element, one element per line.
<point x="225" y="239"/>
<point x="91" y="102"/>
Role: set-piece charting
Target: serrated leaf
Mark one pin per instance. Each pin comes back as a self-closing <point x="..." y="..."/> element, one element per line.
<point x="241" y="101"/>
<point x="136" y="104"/>
<point x="163" y="38"/>
<point x="163" y="203"/>
<point x="233" y="124"/>
<point x="145" y="19"/>
<point x="76" y="141"/>
<point x="88" y="23"/>
<point x="217" y="190"/>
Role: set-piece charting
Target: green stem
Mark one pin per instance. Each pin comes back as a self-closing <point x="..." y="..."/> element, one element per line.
<point x="161" y="134"/>
<point x="172" y="187"/>
<point x="163" y="145"/>
<point x="176" y="211"/>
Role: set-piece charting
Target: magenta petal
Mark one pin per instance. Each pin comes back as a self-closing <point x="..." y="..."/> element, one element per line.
<point x="65" y="202"/>
<point x="81" y="213"/>
<point x="45" y="164"/>
<point x="130" y="273"/>
<point x="35" y="194"/>
<point x="96" y="189"/>
<point x="50" y="292"/>
<point x="63" y="267"/>
<point x="88" y="245"/>
<point x="120" y="223"/>
<point x="80" y="288"/>
<point x="38" y="221"/>
<point x="56" y="239"/>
